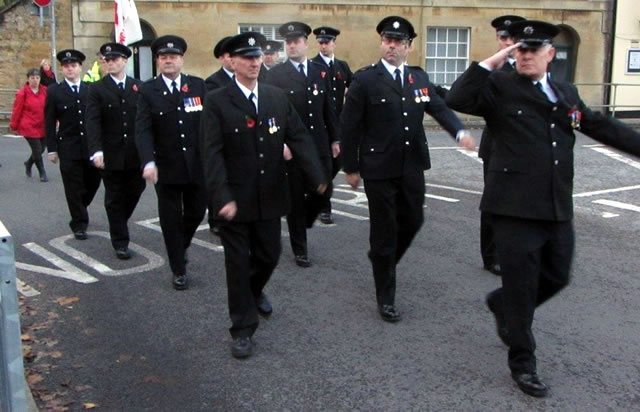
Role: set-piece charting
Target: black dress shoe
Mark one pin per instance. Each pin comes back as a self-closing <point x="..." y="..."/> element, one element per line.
<point x="494" y="268"/>
<point x="80" y="234"/>
<point x="501" y="323"/>
<point x="531" y="384"/>
<point x="389" y="313"/>
<point x="241" y="347"/>
<point x="180" y="282"/>
<point x="123" y="253"/>
<point x="303" y="261"/>
<point x="326" y="218"/>
<point x="263" y="305"/>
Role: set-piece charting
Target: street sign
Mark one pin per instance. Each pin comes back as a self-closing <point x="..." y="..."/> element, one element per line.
<point x="42" y="3"/>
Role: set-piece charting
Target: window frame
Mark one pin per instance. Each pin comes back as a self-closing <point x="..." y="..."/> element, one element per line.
<point x="440" y="73"/>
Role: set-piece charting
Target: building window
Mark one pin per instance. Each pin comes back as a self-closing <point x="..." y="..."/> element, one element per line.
<point x="270" y="31"/>
<point x="447" y="53"/>
<point x="35" y="10"/>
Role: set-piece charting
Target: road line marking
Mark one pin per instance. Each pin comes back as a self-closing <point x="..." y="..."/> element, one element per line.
<point x="68" y="271"/>
<point x="445" y="199"/>
<point x="150" y="224"/>
<point x="25" y="289"/>
<point x="619" y="205"/>
<point x="616" y="156"/>
<point x="593" y="145"/>
<point x="608" y="215"/>
<point x="470" y="153"/>
<point x="347" y="214"/>
<point x="455" y="189"/>
<point x="444" y="147"/>
<point x="601" y="192"/>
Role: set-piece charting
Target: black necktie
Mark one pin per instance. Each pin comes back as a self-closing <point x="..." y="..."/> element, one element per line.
<point x="301" y="68"/>
<point x="174" y="87"/>
<point x="539" y="87"/>
<point x="398" y="78"/>
<point x="332" y="73"/>
<point x="253" y="103"/>
<point x="121" y="86"/>
<point x="75" y="88"/>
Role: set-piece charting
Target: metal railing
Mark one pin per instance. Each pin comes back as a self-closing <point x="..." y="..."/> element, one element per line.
<point x="12" y="383"/>
<point x="611" y="90"/>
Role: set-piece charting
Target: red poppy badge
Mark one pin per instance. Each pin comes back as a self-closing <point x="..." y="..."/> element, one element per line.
<point x="135" y="87"/>
<point x="185" y="88"/>
<point x="250" y="122"/>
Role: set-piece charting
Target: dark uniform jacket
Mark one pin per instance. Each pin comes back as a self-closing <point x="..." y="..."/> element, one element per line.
<point x="68" y="108"/>
<point x="110" y="120"/>
<point x="531" y="169"/>
<point x="381" y="132"/>
<point x="263" y="73"/>
<point x="309" y="97"/>
<point x="167" y="128"/>
<point x="339" y="81"/>
<point x="484" y="150"/>
<point x="217" y="80"/>
<point x="242" y="151"/>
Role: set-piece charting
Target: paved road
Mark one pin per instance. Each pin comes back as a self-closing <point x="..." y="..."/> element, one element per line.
<point x="130" y="342"/>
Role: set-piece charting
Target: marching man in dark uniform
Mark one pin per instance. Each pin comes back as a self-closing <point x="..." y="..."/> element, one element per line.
<point x="167" y="127"/>
<point x="66" y="102"/>
<point x="111" y="115"/>
<point x="219" y="79"/>
<point x="339" y="80"/>
<point x="383" y="142"/>
<point x="244" y="128"/>
<point x="529" y="184"/>
<point x="306" y="85"/>
<point x="270" y="59"/>
<point x="487" y="243"/>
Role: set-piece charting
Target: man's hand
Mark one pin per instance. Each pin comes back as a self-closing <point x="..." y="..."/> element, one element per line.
<point x="150" y="174"/>
<point x="321" y="188"/>
<point x="286" y="153"/>
<point x="335" y="149"/>
<point x="53" y="157"/>
<point x="497" y="60"/>
<point x="229" y="210"/>
<point x="467" y="141"/>
<point x="353" y="179"/>
<point x="98" y="161"/>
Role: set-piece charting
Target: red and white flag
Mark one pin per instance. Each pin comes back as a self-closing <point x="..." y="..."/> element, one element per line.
<point x="127" y="22"/>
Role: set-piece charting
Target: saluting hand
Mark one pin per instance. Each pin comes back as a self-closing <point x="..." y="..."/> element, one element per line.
<point x="150" y="174"/>
<point x="497" y="60"/>
<point x="229" y="210"/>
<point x="353" y="179"/>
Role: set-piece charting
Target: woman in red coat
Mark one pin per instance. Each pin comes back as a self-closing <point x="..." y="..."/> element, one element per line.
<point x="27" y="118"/>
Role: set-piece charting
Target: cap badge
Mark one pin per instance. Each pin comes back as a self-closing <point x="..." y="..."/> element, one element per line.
<point x="290" y="27"/>
<point x="251" y="41"/>
<point x="108" y="48"/>
<point x="67" y="54"/>
<point x="170" y="45"/>
<point x="268" y="47"/>
<point x="507" y="22"/>
<point x="396" y="24"/>
<point x="528" y="30"/>
<point x="323" y="31"/>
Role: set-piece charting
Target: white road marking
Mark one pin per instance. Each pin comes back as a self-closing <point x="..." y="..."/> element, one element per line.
<point x="618" y="205"/>
<point x="347" y="214"/>
<point x="444" y="147"/>
<point x="25" y="289"/>
<point x="601" y="192"/>
<point x="151" y="224"/>
<point x="455" y="189"/>
<point x="617" y="156"/>
<point x="608" y="215"/>
<point x="470" y="153"/>
<point x="445" y="199"/>
<point x="593" y="145"/>
<point x="68" y="271"/>
<point x="154" y="261"/>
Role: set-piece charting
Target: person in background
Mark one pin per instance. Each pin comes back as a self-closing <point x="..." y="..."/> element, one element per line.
<point x="97" y="70"/>
<point x="47" y="76"/>
<point x="271" y="51"/>
<point x="27" y="118"/>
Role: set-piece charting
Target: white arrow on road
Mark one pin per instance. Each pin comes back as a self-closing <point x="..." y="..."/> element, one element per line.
<point x="68" y="271"/>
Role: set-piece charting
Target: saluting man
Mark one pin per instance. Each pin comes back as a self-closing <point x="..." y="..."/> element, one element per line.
<point x="66" y="103"/>
<point x="529" y="183"/>
<point x="271" y="51"/>
<point x="487" y="242"/>
<point x="167" y="127"/>
<point x="383" y="142"/>
<point x="111" y="116"/>
<point x="306" y="84"/>
<point x="339" y="80"/>
<point x="245" y="126"/>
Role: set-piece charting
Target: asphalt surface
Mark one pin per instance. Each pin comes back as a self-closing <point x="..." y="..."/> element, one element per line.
<point x="131" y="342"/>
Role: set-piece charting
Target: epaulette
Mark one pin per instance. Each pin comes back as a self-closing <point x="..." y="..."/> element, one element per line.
<point x="365" y="68"/>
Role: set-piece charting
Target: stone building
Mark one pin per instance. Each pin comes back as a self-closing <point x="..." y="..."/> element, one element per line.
<point x="451" y="33"/>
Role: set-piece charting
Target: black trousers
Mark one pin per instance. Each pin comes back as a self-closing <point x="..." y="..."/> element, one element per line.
<point x="395" y="213"/>
<point x="181" y="209"/>
<point x="306" y="204"/>
<point x="122" y="190"/>
<point x="81" y="181"/>
<point x="251" y="253"/>
<point x="487" y="242"/>
<point x="535" y="257"/>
